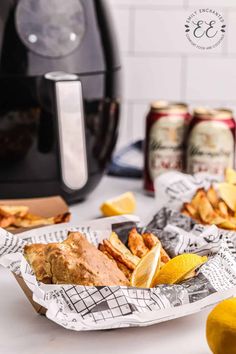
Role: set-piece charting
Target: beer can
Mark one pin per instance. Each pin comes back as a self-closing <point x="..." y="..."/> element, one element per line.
<point x="166" y="127"/>
<point x="211" y="141"/>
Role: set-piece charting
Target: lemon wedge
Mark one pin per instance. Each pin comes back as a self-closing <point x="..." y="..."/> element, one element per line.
<point x="178" y="269"/>
<point x="147" y="268"/>
<point x="123" y="204"/>
<point x="230" y="176"/>
<point x="228" y="193"/>
<point x="221" y="328"/>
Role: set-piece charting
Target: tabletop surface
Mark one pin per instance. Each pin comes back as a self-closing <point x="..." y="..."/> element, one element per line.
<point x="23" y="331"/>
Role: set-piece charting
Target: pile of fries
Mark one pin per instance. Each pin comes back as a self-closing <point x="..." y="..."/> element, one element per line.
<point x="215" y="206"/>
<point x="146" y="264"/>
<point x="127" y="258"/>
<point x="14" y="217"/>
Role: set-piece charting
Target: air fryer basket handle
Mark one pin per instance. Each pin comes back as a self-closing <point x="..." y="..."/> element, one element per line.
<point x="69" y="114"/>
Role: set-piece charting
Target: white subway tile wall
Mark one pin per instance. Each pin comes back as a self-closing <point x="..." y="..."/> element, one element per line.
<point x="158" y="62"/>
<point x="146" y="78"/>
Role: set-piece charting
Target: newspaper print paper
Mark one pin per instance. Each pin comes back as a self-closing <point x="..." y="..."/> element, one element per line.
<point x="173" y="188"/>
<point x="93" y="308"/>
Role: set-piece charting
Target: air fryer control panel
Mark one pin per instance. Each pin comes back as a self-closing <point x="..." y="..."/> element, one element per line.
<point x="52" y="28"/>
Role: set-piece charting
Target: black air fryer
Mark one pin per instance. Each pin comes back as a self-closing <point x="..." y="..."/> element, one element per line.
<point x="59" y="109"/>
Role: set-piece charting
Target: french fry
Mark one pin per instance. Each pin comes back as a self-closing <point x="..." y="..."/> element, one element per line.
<point x="30" y="216"/>
<point x="228" y="225"/>
<point x="29" y="220"/>
<point x="212" y="197"/>
<point x="118" y="255"/>
<point x="232" y="219"/>
<point x="20" y="211"/>
<point x="127" y="272"/>
<point x="192" y="211"/>
<point x="6" y="221"/>
<point x="190" y="275"/>
<point x="150" y="241"/>
<point x="34" y="221"/>
<point x="116" y="242"/>
<point x="61" y="218"/>
<point x="217" y="220"/>
<point x="186" y="213"/>
<point x="164" y="256"/>
<point x="213" y="207"/>
<point x="136" y="243"/>
<point x="101" y="248"/>
<point x="223" y="209"/>
<point x="206" y="211"/>
<point x="197" y="198"/>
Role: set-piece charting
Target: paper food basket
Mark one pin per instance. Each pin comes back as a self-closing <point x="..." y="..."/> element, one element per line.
<point x="46" y="207"/>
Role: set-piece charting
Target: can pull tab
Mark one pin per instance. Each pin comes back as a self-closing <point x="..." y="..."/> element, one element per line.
<point x="69" y="114"/>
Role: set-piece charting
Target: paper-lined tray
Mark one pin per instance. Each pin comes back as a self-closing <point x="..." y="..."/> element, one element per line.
<point x="45" y="207"/>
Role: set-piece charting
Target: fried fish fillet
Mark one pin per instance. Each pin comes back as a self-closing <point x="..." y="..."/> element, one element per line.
<point x="73" y="261"/>
<point x="35" y="256"/>
<point x="136" y="243"/>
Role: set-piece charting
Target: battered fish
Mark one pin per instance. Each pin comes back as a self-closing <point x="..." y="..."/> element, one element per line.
<point x="73" y="261"/>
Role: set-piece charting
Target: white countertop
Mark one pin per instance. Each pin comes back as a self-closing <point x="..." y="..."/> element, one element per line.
<point x="23" y="331"/>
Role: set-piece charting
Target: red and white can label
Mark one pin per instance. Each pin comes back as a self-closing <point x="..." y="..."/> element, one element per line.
<point x="210" y="148"/>
<point x="165" y="145"/>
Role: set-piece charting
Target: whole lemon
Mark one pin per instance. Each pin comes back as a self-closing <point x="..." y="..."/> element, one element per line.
<point x="221" y="328"/>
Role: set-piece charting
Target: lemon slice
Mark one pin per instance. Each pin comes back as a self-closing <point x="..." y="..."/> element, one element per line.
<point x="147" y="268"/>
<point x="228" y="194"/>
<point x="123" y="204"/>
<point x="230" y="176"/>
<point x="178" y="269"/>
